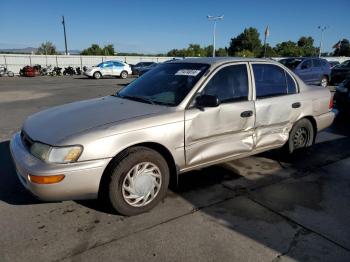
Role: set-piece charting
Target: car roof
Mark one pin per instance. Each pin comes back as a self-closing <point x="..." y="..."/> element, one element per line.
<point x="219" y="60"/>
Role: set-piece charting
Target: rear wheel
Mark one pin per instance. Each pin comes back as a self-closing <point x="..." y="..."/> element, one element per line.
<point x="124" y="74"/>
<point x="10" y="74"/>
<point x="301" y="136"/>
<point x="138" y="181"/>
<point x="97" y="75"/>
<point x="324" y="81"/>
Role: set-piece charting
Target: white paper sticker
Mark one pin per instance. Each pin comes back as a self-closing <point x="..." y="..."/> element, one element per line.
<point x="187" y="72"/>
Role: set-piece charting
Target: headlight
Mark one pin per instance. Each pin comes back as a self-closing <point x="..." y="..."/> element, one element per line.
<point x="51" y="154"/>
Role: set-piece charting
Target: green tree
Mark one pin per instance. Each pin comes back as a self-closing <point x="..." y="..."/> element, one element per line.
<point x="248" y="40"/>
<point x="245" y="53"/>
<point x="221" y="52"/>
<point x="288" y="48"/>
<point x="47" y="48"/>
<point x="95" y="49"/>
<point x="342" y="48"/>
<point x="270" y="51"/>
<point x="306" y="44"/>
<point x="108" y="50"/>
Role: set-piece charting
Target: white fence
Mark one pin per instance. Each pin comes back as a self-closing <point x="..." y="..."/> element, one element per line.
<point x="14" y="62"/>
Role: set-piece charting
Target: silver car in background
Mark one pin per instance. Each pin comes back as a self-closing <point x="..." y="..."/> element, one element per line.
<point x="109" y="68"/>
<point x="182" y="115"/>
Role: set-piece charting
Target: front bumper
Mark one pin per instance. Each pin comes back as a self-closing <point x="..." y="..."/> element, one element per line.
<point x="82" y="179"/>
<point x="89" y="73"/>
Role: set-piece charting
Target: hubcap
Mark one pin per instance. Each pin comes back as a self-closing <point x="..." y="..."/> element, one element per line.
<point x="124" y="75"/>
<point x="141" y="184"/>
<point x="324" y="82"/>
<point x="301" y="138"/>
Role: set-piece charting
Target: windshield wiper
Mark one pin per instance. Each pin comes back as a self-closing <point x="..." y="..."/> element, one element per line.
<point x="137" y="98"/>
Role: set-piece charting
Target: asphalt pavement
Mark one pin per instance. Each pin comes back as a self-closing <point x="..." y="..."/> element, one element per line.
<point x="269" y="207"/>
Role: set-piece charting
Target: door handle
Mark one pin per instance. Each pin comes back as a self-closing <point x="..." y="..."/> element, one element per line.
<point x="247" y="114"/>
<point x="296" y="105"/>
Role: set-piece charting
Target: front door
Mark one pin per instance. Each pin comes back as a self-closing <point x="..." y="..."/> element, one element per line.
<point x="215" y="133"/>
<point x="278" y="105"/>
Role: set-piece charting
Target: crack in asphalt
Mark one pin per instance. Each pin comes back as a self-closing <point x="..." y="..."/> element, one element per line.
<point x="292" y="243"/>
<point x="238" y="192"/>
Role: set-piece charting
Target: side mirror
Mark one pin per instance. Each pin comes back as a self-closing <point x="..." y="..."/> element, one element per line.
<point x="207" y="101"/>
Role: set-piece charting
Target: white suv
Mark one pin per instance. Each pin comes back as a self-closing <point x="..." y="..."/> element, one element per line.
<point x="109" y="68"/>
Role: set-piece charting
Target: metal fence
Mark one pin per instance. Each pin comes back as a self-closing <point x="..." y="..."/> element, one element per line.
<point x="14" y="62"/>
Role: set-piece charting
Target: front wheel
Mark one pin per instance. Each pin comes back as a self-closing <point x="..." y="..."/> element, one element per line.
<point x="324" y="81"/>
<point x="138" y="182"/>
<point x="10" y="74"/>
<point x="124" y="75"/>
<point x="301" y="136"/>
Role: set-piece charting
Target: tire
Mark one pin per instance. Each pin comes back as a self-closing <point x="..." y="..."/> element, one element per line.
<point x="324" y="81"/>
<point x="301" y="136"/>
<point x="97" y="75"/>
<point x="10" y="74"/>
<point x="124" y="75"/>
<point x="150" y="186"/>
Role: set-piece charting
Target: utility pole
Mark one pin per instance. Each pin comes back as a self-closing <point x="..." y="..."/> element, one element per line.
<point x="65" y="37"/>
<point x="267" y="33"/>
<point x="215" y="19"/>
<point x="322" y="28"/>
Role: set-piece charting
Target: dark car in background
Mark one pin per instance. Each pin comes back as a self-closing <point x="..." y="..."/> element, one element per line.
<point x="140" y="66"/>
<point x="146" y="69"/>
<point x="340" y="72"/>
<point x="341" y="97"/>
<point x="333" y="63"/>
<point x="315" y="71"/>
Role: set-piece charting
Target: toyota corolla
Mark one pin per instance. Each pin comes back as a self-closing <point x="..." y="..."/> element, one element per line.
<point x="180" y="116"/>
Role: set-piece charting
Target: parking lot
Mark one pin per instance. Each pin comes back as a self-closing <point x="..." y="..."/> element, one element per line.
<point x="269" y="207"/>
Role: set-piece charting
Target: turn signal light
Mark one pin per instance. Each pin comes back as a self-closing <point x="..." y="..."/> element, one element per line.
<point x="46" y="179"/>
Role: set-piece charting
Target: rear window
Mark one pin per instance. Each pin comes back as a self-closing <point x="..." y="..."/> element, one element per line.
<point x="291" y="63"/>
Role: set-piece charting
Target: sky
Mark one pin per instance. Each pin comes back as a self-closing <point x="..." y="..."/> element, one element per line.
<point x="160" y="25"/>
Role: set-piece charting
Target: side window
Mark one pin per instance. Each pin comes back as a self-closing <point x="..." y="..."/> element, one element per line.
<point x="270" y="80"/>
<point x="306" y="64"/>
<point x="292" y="89"/>
<point x="117" y="64"/>
<point x="317" y="63"/>
<point x="229" y="84"/>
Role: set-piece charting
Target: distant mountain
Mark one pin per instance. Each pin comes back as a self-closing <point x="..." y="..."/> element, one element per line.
<point x="27" y="50"/>
<point x="30" y="50"/>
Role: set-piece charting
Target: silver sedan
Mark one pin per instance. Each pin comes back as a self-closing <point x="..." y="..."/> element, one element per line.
<point x="180" y="116"/>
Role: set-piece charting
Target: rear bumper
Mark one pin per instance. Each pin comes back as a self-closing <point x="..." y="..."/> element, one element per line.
<point x="82" y="179"/>
<point x="325" y="120"/>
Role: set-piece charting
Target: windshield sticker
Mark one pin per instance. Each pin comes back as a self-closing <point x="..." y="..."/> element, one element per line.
<point x="187" y="72"/>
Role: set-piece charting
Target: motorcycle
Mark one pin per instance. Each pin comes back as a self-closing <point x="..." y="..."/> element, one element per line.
<point x="69" y="71"/>
<point x="78" y="70"/>
<point x="56" y="71"/>
<point x="4" y="71"/>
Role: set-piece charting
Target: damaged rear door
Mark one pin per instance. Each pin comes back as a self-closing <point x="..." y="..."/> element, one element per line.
<point x="215" y="133"/>
<point x="278" y="104"/>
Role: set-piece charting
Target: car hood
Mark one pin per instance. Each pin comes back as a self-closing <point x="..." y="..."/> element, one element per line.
<point x="53" y="125"/>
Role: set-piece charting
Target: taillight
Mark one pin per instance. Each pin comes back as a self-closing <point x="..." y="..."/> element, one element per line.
<point x="330" y="103"/>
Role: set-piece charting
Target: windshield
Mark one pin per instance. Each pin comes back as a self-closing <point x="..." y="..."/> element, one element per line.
<point x="291" y="63"/>
<point x="166" y="84"/>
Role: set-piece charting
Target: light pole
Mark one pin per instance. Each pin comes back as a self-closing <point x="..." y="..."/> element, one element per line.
<point x="64" y="31"/>
<point x="215" y="19"/>
<point x="322" y="28"/>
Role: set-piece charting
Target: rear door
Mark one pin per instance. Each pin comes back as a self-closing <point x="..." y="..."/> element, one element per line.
<point x="277" y="104"/>
<point x="117" y="68"/>
<point x="215" y="133"/>
<point x="317" y="71"/>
